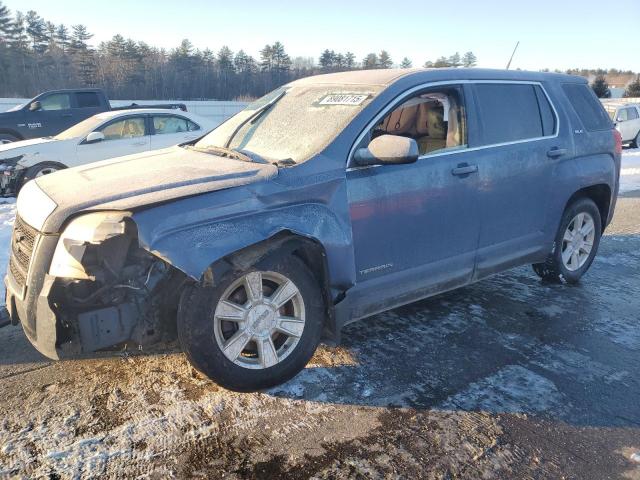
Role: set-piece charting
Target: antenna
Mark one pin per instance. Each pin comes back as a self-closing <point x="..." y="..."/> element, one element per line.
<point x="514" y="52"/>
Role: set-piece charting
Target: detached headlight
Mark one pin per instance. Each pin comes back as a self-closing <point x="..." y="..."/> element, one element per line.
<point x="34" y="206"/>
<point x="91" y="228"/>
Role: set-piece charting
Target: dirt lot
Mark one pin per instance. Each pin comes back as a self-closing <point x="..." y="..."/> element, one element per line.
<point x="507" y="378"/>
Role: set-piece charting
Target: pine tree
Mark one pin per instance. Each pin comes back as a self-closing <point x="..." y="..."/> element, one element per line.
<point x="327" y="59"/>
<point x="349" y="60"/>
<point x="224" y="59"/>
<point x="370" y="61"/>
<point x="633" y="90"/>
<point x="442" y="62"/>
<point x="37" y="31"/>
<point x="384" y="60"/>
<point x="601" y="87"/>
<point x="406" y="63"/>
<point x="469" y="60"/>
<point x="6" y="24"/>
<point x="62" y="37"/>
<point x="455" y="61"/>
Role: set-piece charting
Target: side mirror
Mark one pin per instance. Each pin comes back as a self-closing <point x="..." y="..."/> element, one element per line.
<point x="94" y="137"/>
<point x="388" y="150"/>
<point x="619" y="119"/>
<point x="35" y="106"/>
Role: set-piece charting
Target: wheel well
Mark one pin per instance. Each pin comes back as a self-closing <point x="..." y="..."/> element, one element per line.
<point x="11" y="132"/>
<point x="308" y="250"/>
<point x="601" y="196"/>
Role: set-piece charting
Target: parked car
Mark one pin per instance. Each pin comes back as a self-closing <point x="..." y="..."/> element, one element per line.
<point x="627" y="122"/>
<point x="53" y="112"/>
<point x="328" y="200"/>
<point x="105" y="135"/>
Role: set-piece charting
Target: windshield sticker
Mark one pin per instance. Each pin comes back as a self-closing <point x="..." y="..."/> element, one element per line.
<point x="343" y="99"/>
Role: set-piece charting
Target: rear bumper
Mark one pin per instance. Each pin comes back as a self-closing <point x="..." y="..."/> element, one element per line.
<point x="29" y="305"/>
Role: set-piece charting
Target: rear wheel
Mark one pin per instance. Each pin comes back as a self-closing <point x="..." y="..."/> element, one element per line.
<point x="575" y="245"/>
<point x="7" y="138"/>
<point x="254" y="329"/>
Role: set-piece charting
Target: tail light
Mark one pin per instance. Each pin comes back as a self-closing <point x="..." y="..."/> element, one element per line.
<point x="618" y="140"/>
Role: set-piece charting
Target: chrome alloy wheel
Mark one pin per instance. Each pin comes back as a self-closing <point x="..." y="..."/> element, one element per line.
<point x="577" y="241"/>
<point x="46" y="171"/>
<point x="259" y="319"/>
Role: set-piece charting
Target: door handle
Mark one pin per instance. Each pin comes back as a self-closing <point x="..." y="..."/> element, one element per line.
<point x="138" y="144"/>
<point x="556" y="152"/>
<point x="464" y="169"/>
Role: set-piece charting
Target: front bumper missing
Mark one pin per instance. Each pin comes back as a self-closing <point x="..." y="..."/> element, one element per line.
<point x="29" y="304"/>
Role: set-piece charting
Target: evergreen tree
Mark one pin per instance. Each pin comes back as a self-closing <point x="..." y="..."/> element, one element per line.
<point x="633" y="90"/>
<point x="384" y="60"/>
<point x="406" y="63"/>
<point x="6" y="24"/>
<point x="442" y="62"/>
<point x="370" y="61"/>
<point x="349" y="60"/>
<point x="454" y="60"/>
<point x="601" y="87"/>
<point x="469" y="60"/>
<point x="327" y="59"/>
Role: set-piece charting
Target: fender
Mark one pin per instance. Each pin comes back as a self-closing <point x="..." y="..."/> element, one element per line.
<point x="573" y="175"/>
<point x="192" y="234"/>
<point x="8" y="131"/>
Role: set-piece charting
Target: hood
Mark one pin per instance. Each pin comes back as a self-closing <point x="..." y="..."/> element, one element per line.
<point x="126" y="183"/>
<point x="47" y="147"/>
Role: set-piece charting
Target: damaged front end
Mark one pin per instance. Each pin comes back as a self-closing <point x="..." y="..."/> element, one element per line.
<point x="11" y="175"/>
<point x="101" y="290"/>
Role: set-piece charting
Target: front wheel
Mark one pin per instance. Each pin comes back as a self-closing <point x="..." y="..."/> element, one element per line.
<point x="255" y="329"/>
<point x="39" y="170"/>
<point x="575" y="245"/>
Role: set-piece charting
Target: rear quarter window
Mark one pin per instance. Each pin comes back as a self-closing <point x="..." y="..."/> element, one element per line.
<point x="589" y="109"/>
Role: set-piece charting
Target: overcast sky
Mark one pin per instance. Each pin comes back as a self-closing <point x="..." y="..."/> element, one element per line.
<point x="552" y="33"/>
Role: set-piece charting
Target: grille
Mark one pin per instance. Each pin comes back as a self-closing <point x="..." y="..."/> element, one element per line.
<point x="23" y="241"/>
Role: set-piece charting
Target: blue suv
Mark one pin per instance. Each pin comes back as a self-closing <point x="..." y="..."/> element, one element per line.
<point x="328" y="200"/>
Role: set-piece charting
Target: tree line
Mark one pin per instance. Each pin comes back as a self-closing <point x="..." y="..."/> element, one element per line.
<point x="37" y="55"/>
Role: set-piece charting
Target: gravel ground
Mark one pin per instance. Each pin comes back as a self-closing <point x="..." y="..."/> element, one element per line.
<point x="506" y="378"/>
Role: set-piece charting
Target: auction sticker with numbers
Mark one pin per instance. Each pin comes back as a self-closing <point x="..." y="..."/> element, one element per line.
<point x="343" y="99"/>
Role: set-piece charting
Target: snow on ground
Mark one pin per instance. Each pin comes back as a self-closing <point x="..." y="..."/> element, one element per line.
<point x="630" y="172"/>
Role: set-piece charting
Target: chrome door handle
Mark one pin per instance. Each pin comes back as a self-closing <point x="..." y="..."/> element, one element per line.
<point x="139" y="144"/>
<point x="464" y="169"/>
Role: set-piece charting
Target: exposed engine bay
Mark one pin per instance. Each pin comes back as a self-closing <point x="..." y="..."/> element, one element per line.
<point x="109" y="291"/>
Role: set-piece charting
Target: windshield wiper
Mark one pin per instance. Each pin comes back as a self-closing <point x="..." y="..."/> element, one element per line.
<point x="254" y="116"/>
<point x="223" y="152"/>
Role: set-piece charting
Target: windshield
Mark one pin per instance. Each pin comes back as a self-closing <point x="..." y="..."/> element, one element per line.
<point x="292" y="122"/>
<point x="81" y="129"/>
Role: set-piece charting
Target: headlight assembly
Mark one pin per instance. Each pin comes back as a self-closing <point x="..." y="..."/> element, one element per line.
<point x="91" y="228"/>
<point x="34" y="206"/>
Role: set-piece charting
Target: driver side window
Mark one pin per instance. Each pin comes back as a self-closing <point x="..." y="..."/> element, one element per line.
<point x="435" y="119"/>
<point x="55" y="101"/>
<point x="127" y="128"/>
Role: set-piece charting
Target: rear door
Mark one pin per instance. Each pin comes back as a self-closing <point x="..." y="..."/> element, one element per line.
<point x="122" y="136"/>
<point x="519" y="145"/>
<point x="55" y="115"/>
<point x="168" y="130"/>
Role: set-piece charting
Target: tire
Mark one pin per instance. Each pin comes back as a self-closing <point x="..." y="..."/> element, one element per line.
<point x="206" y="337"/>
<point x="555" y="268"/>
<point x="38" y="170"/>
<point x="8" y="138"/>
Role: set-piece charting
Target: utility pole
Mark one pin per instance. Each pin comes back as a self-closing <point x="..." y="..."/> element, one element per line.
<point x="514" y="52"/>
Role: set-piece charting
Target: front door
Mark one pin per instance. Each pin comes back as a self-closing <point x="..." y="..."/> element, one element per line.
<point x="415" y="227"/>
<point x="124" y="136"/>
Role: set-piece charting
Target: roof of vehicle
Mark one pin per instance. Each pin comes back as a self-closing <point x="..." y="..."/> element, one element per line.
<point x="141" y="111"/>
<point x="71" y="90"/>
<point x="388" y="76"/>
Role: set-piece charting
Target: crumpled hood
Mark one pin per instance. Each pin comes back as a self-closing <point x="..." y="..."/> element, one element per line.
<point x="126" y="183"/>
<point x="33" y="147"/>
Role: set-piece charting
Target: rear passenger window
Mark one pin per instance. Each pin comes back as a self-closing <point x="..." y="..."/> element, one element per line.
<point x="511" y="112"/>
<point x="587" y="106"/>
<point x="87" y="99"/>
<point x="632" y="113"/>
